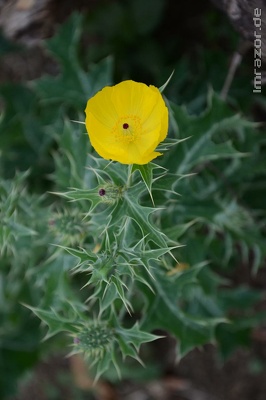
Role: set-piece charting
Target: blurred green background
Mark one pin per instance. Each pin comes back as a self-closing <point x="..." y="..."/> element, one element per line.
<point x="41" y="150"/>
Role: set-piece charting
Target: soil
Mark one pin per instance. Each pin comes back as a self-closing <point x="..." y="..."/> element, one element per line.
<point x="198" y="376"/>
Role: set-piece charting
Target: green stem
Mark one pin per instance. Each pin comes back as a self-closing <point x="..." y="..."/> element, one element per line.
<point x="129" y="176"/>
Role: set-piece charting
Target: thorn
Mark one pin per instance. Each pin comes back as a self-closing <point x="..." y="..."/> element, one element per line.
<point x="78" y="122"/>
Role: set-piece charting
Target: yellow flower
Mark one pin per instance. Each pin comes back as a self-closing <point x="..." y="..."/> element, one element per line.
<point x="126" y="122"/>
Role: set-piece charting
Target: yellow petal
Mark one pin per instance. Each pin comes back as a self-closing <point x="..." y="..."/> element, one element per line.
<point x="164" y="126"/>
<point x="134" y="98"/>
<point x="102" y="108"/>
<point x="147" y="158"/>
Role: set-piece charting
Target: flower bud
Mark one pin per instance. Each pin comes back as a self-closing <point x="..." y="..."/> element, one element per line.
<point x="94" y="338"/>
<point x="68" y="227"/>
<point x="110" y="193"/>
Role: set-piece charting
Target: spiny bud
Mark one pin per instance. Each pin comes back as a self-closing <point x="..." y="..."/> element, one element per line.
<point x="94" y="339"/>
<point x="110" y="193"/>
<point x="69" y="227"/>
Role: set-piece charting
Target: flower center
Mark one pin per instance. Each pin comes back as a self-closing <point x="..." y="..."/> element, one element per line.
<point x="127" y="132"/>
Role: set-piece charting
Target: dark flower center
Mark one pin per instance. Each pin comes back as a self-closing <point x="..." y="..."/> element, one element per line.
<point x="125" y="126"/>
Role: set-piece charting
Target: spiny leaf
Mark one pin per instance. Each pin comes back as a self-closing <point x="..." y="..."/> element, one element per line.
<point x="91" y="195"/>
<point x="146" y="172"/>
<point x="136" y="336"/>
<point x="200" y="146"/>
<point x="56" y="323"/>
<point x="84" y="256"/>
<point x="164" y="312"/>
<point x="141" y="215"/>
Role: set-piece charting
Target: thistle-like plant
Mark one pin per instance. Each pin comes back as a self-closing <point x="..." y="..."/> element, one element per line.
<point x="127" y="252"/>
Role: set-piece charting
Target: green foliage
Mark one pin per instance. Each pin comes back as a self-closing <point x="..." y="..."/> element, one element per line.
<point x="34" y="113"/>
<point x="131" y="247"/>
<point x="22" y="221"/>
<point x="152" y="247"/>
